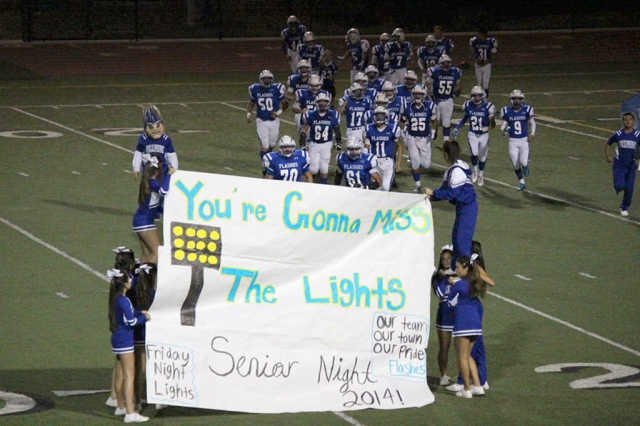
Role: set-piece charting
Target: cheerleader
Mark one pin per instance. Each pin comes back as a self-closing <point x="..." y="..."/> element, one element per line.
<point x="142" y="297"/>
<point x="122" y="320"/>
<point x="126" y="261"/>
<point x="458" y="189"/>
<point x="464" y="297"/>
<point x="445" y="315"/>
<point x="153" y="186"/>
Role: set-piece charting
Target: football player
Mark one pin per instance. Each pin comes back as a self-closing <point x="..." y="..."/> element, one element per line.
<point x="297" y="81"/>
<point x="354" y="109"/>
<point x="397" y="53"/>
<point x="382" y="139"/>
<point x="311" y="51"/>
<point x="443" y="83"/>
<point x="358" y="50"/>
<point x="396" y="103"/>
<point x="428" y="56"/>
<point x="373" y="81"/>
<point x="483" y="49"/>
<point x="320" y="126"/>
<point x="306" y="98"/>
<point x="443" y="44"/>
<point x="380" y="101"/>
<point x="516" y="118"/>
<point x="328" y="71"/>
<point x="624" y="164"/>
<point x="154" y="141"/>
<point x="410" y="81"/>
<point x="417" y="120"/>
<point x="377" y="56"/>
<point x="357" y="168"/>
<point x="289" y="163"/>
<point x="291" y="38"/>
<point x="481" y="116"/>
<point x="271" y="102"/>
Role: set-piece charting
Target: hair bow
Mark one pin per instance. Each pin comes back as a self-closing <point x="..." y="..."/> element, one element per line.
<point x="446" y="247"/>
<point x="121" y="249"/>
<point x="473" y="258"/>
<point x="144" y="267"/>
<point x="148" y="158"/>
<point x="114" y="273"/>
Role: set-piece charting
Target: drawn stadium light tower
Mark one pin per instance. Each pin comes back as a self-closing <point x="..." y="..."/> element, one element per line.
<point x="200" y="247"/>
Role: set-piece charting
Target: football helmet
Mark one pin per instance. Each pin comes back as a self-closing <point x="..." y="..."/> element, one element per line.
<point x="322" y="101"/>
<point x="410" y="79"/>
<point x="384" y="38"/>
<point x="380" y="116"/>
<point x="266" y="78"/>
<point x="356" y="91"/>
<point x="430" y="42"/>
<point x="293" y="21"/>
<point x="389" y="90"/>
<point x="353" y="36"/>
<point x="361" y="79"/>
<point x="315" y="83"/>
<point x="477" y="93"/>
<point x="445" y="61"/>
<point x="354" y="148"/>
<point x="418" y="94"/>
<point x="517" y="98"/>
<point x="398" y="35"/>
<point x="381" y="100"/>
<point x="304" y="67"/>
<point x="286" y="146"/>
<point x="372" y="73"/>
<point x="309" y="38"/>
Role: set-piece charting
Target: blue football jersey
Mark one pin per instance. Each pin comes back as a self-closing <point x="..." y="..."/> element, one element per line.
<point x="287" y="168"/>
<point x="291" y="40"/>
<point x="328" y="73"/>
<point x="627" y="143"/>
<point x="444" y="46"/>
<point x="311" y="53"/>
<point x="478" y="116"/>
<point x="378" y="51"/>
<point x="321" y="125"/>
<point x="376" y="84"/>
<point x="383" y="141"/>
<point x="428" y="58"/>
<point x="483" y="48"/>
<point x="444" y="82"/>
<point x="398" y="54"/>
<point x="518" y="120"/>
<point x="296" y="82"/>
<point x="307" y="100"/>
<point x="397" y="105"/>
<point x="356" y="173"/>
<point x="418" y="118"/>
<point x="267" y="99"/>
<point x="355" y="110"/>
<point x="358" y="53"/>
<point x="405" y="92"/>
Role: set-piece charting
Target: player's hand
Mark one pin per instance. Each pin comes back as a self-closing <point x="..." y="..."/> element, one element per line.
<point x="398" y="166"/>
<point x="531" y="138"/>
<point x="136" y="176"/>
<point x="273" y="116"/>
<point x="505" y="132"/>
<point x="146" y="314"/>
<point x="303" y="146"/>
<point x="454" y="134"/>
<point x="340" y="58"/>
<point x="171" y="170"/>
<point x="249" y="117"/>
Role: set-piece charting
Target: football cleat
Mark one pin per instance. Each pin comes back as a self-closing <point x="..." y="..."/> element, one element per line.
<point x="525" y="170"/>
<point x="480" y="181"/>
<point x="522" y="187"/>
<point x="624" y="212"/>
<point x="474" y="176"/>
<point x="338" y="146"/>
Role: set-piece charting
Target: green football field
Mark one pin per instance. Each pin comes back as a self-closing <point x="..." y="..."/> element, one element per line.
<point x="565" y="262"/>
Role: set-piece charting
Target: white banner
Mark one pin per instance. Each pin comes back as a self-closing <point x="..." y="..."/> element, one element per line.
<point x="286" y="297"/>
